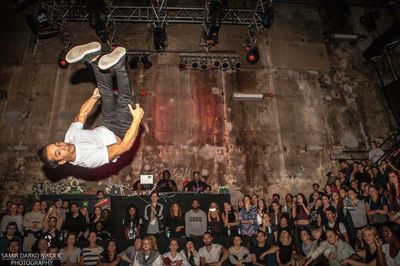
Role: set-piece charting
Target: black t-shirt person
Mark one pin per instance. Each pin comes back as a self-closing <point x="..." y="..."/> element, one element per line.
<point x="166" y="185"/>
<point x="196" y="186"/>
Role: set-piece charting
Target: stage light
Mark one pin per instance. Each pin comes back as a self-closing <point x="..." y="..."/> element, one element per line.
<point x="267" y="18"/>
<point x="235" y="64"/>
<point x="40" y="33"/>
<point x="195" y="63"/>
<point x="160" y="38"/>
<point x="204" y="63"/>
<point x="62" y="63"/>
<point x="253" y="55"/>
<point x="226" y="64"/>
<point x="183" y="64"/>
<point x="215" y="63"/>
<point x="147" y="64"/>
<point x="41" y="19"/>
<point x="134" y="62"/>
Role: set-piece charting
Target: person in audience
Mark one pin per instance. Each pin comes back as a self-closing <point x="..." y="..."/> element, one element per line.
<point x="149" y="255"/>
<point x="214" y="219"/>
<point x="240" y="204"/>
<point x="51" y="233"/>
<point x="52" y="213"/>
<point x="59" y="210"/>
<point x="377" y="207"/>
<point x="173" y="257"/>
<point x="368" y="255"/>
<point x="284" y="224"/>
<point x="196" y="185"/>
<point x="21" y="210"/>
<point x="132" y="223"/>
<point x="8" y="235"/>
<point x="375" y="153"/>
<point x="230" y="217"/>
<point x="254" y="199"/>
<point x="394" y="191"/>
<point x="128" y="255"/>
<point x="333" y="223"/>
<point x="361" y="175"/>
<point x="41" y="246"/>
<point x="277" y="212"/>
<point x="166" y="184"/>
<point x="356" y="208"/>
<point x="261" y="209"/>
<point x="270" y="230"/>
<point x="238" y="254"/>
<point x="212" y="253"/>
<point x="33" y="224"/>
<point x="328" y="190"/>
<point x="175" y="221"/>
<point x="388" y="254"/>
<point x="43" y="207"/>
<point x="12" y="216"/>
<point x="190" y="254"/>
<point x="71" y="254"/>
<point x="321" y="210"/>
<point x="307" y="244"/>
<point x="286" y="248"/>
<point x="101" y="231"/>
<point x="195" y="221"/>
<point x="91" y="253"/>
<point x="154" y="215"/>
<point x="75" y="222"/>
<point x="248" y="218"/>
<point x="94" y="218"/>
<point x="106" y="219"/>
<point x="314" y="212"/>
<point x="301" y="214"/>
<point x="338" y="204"/>
<point x="314" y="257"/>
<point x="315" y="187"/>
<point x="379" y="180"/>
<point x="287" y="207"/>
<point x="110" y="256"/>
<point x="262" y="253"/>
<point x="65" y="206"/>
<point x="13" y="250"/>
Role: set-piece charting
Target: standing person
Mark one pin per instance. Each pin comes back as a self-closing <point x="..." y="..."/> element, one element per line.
<point x="195" y="221"/>
<point x="75" y="222"/>
<point x="132" y="223"/>
<point x="230" y="217"/>
<point x="154" y="215"/>
<point x="93" y="148"/>
<point x="71" y="254"/>
<point x="388" y="254"/>
<point x="261" y="209"/>
<point x="262" y="253"/>
<point x="301" y="214"/>
<point x="248" y="218"/>
<point x="238" y="254"/>
<point x="12" y="216"/>
<point x="189" y="254"/>
<point x="375" y="153"/>
<point x="33" y="224"/>
<point x="212" y="253"/>
<point x="166" y="184"/>
<point x="196" y="185"/>
<point x="173" y="257"/>
<point x="91" y="253"/>
<point x="149" y="255"/>
<point x="110" y="256"/>
<point x="175" y="222"/>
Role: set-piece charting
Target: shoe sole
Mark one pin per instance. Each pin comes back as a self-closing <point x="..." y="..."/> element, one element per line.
<point x="109" y="60"/>
<point x="83" y="52"/>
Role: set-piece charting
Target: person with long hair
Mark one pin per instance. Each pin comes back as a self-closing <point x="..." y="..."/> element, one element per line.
<point x="173" y="257"/>
<point x="175" y="221"/>
<point x="261" y="209"/>
<point x="12" y="216"/>
<point x="94" y="218"/>
<point x="377" y="207"/>
<point x="230" y="218"/>
<point x="270" y="229"/>
<point x="149" y="255"/>
<point x="369" y="253"/>
<point x="110" y="256"/>
<point x="238" y="254"/>
<point x="318" y="253"/>
<point x="326" y="203"/>
<point x="248" y="218"/>
<point x="337" y="202"/>
<point x="132" y="223"/>
<point x="307" y="244"/>
<point x="214" y="219"/>
<point x="277" y="212"/>
<point x="190" y="254"/>
<point x="389" y="253"/>
<point x="70" y="255"/>
<point x="394" y="191"/>
<point x="106" y="219"/>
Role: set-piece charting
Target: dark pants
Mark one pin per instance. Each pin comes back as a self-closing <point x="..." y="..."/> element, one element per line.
<point x="114" y="108"/>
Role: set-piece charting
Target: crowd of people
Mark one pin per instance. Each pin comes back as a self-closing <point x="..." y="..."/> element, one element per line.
<point x="353" y="220"/>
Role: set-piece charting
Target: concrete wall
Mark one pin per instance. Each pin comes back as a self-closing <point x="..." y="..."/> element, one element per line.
<point x="323" y="99"/>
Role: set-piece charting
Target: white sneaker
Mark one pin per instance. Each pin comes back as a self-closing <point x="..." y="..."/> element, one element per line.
<point x="109" y="60"/>
<point x="84" y="52"/>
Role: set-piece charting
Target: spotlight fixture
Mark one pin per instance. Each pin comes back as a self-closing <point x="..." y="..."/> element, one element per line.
<point x="147" y="64"/>
<point x="160" y="38"/>
<point x="204" y="63"/>
<point x="183" y="64"/>
<point x="195" y="63"/>
<point x="235" y="64"/>
<point x="62" y="63"/>
<point x="215" y="63"/>
<point x="226" y="64"/>
<point x="134" y="62"/>
<point x="267" y="18"/>
<point x="253" y="55"/>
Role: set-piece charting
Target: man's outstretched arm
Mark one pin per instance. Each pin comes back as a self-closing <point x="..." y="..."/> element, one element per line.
<point x="87" y="107"/>
<point x="126" y="144"/>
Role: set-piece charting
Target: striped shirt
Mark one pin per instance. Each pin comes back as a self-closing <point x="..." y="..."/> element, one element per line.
<point x="91" y="255"/>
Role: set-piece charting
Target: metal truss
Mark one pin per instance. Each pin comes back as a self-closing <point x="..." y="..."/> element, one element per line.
<point x="205" y="26"/>
<point x="159" y="8"/>
<point x="256" y="19"/>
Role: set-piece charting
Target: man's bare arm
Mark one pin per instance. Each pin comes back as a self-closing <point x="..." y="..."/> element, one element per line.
<point x="127" y="142"/>
<point x="87" y="107"/>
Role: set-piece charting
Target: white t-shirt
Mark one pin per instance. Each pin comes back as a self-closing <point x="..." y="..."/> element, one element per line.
<point x="90" y="145"/>
<point x="389" y="260"/>
<point x="174" y="260"/>
<point x="213" y="255"/>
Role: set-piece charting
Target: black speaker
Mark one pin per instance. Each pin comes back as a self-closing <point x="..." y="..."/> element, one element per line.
<point x="392" y="94"/>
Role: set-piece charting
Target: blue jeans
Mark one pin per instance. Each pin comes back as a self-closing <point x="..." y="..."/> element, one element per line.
<point x="115" y="112"/>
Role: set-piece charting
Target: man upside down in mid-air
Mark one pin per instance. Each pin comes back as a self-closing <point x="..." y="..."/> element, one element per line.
<point x="121" y="121"/>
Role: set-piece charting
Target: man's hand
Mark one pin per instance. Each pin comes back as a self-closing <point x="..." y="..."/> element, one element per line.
<point x="137" y="113"/>
<point x="96" y="94"/>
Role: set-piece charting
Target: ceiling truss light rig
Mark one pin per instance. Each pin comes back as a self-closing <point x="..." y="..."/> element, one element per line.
<point x="209" y="61"/>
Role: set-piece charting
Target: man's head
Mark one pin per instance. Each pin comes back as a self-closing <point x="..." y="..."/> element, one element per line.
<point x="195" y="205"/>
<point x="11" y="228"/>
<point x="173" y="245"/>
<point x="74" y="208"/>
<point x="154" y="197"/>
<point x="315" y="187"/>
<point x="57" y="153"/>
<point x="52" y="222"/>
<point x="138" y="244"/>
<point x="100" y="194"/>
<point x="330" y="214"/>
<point x="207" y="238"/>
<point x="13" y="246"/>
<point x="166" y="175"/>
<point x="261" y="237"/>
<point x="36" y="206"/>
<point x="196" y="175"/>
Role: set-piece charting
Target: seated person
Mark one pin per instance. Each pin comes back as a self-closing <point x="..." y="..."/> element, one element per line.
<point x="9" y="234"/>
<point x="129" y="254"/>
<point x="262" y="253"/>
<point x="149" y="254"/>
<point x="175" y="221"/>
<point x="190" y="254"/>
<point x="239" y="255"/>
<point x="173" y="257"/>
<point x="166" y="184"/>
<point x="196" y="185"/>
<point x="91" y="253"/>
<point x="211" y="253"/>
